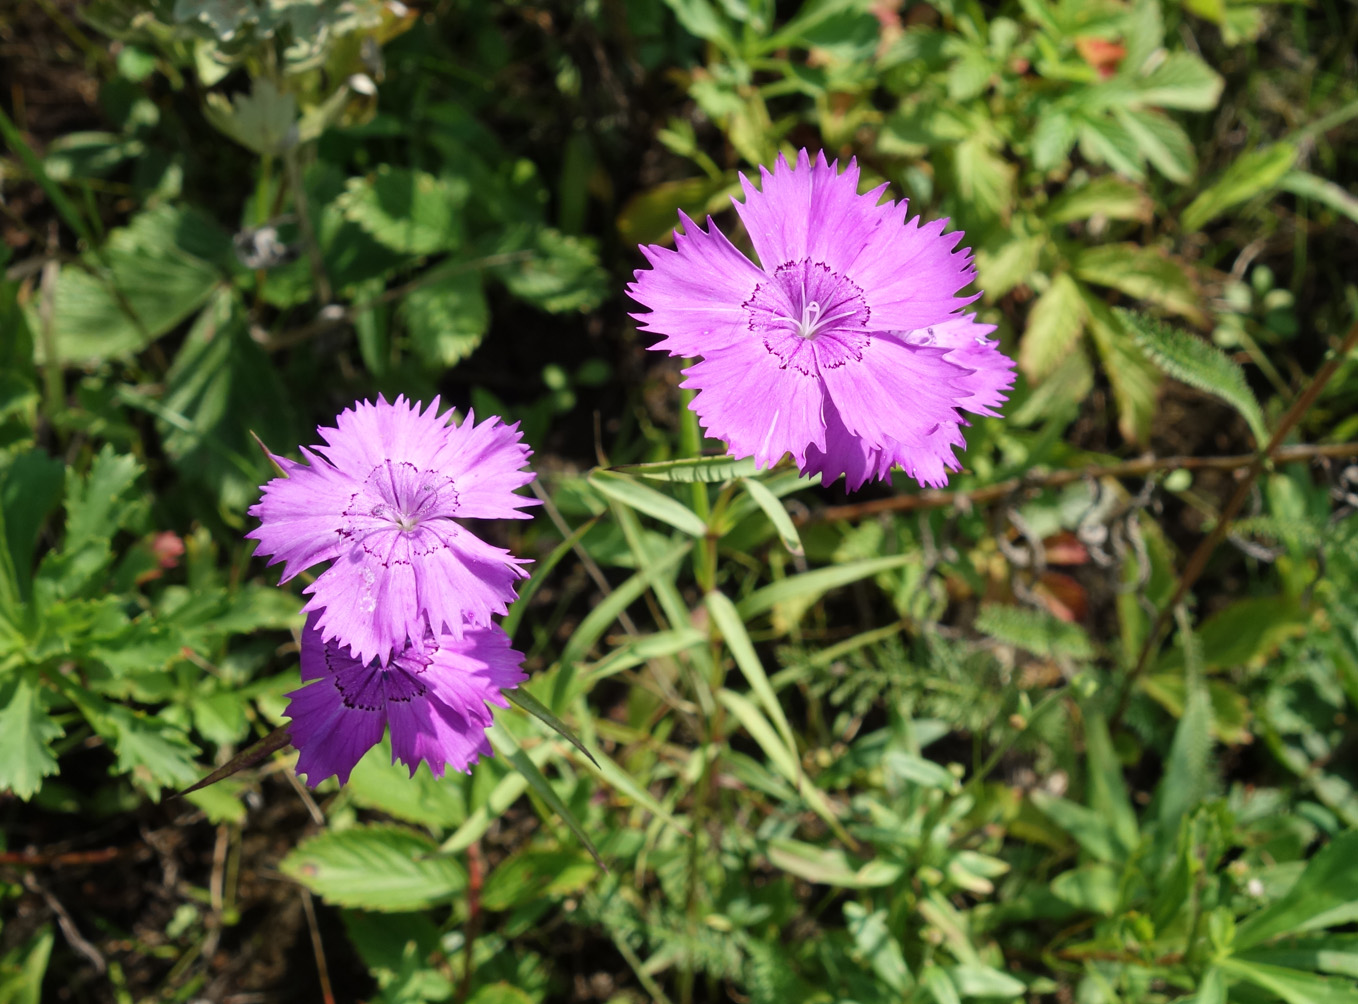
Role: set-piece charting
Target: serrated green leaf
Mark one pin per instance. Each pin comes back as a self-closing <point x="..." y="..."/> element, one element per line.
<point x="1181" y="80"/>
<point x="562" y="273"/>
<point x="1037" y="631"/>
<point x="529" y="874"/>
<point x="1054" y="323"/>
<point x="1198" y="363"/>
<point x="1107" y="141"/>
<point x="385" y="868"/>
<point x="26" y="734"/>
<point x="1108" y="196"/>
<point x="422" y="799"/>
<point x="1250" y="176"/>
<point x="1143" y="273"/>
<point x="447" y="317"/>
<point x="1162" y="141"/>
<point x="265" y="120"/>
<point x="160" y="268"/>
<point x="1135" y="380"/>
<point x="30" y="485"/>
<point x="408" y="211"/>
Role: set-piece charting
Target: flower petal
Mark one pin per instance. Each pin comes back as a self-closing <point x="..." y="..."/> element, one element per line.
<point x="694" y="293"/>
<point x="368" y="435"/>
<point x="485" y="463"/>
<point x="759" y="406"/>
<point x="330" y="735"/>
<point x="437" y="733"/>
<point x="300" y="515"/>
<point x="896" y="392"/>
<point x="911" y="274"/>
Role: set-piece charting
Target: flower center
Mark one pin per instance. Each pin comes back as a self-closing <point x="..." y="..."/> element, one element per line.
<point x="374" y="686"/>
<point x="809" y="315"/>
<point x="398" y="494"/>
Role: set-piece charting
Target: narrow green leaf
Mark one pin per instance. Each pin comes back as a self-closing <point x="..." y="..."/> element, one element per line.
<point x="629" y="492"/>
<point x="507" y="746"/>
<point x="385" y="868"/>
<point x="812" y="585"/>
<point x="1327" y="193"/>
<point x="1292" y="985"/>
<point x="1094" y="833"/>
<point x="732" y="628"/>
<point x="1107" y="789"/>
<point x="1251" y="175"/>
<point x="525" y="701"/>
<point x="1187" y="776"/>
<point x="710" y="470"/>
<point x="777" y="514"/>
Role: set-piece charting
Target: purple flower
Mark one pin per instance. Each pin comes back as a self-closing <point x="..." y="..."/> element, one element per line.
<point x="844" y="346"/>
<point x="433" y="693"/>
<point x="380" y="501"/>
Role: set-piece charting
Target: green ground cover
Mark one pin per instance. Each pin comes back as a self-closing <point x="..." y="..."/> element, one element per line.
<point x="1077" y="728"/>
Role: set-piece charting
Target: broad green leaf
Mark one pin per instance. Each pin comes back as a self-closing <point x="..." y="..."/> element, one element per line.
<point x="1143" y="273"/>
<point x="528" y="875"/>
<point x="1096" y="834"/>
<point x="1327" y="193"/>
<point x="1199" y="363"/>
<point x="984" y="178"/>
<point x="1093" y="888"/>
<point x="940" y="986"/>
<point x="1038" y="631"/>
<point x="829" y="865"/>
<point x="560" y="273"/>
<point x="1212" y="989"/>
<point x="702" y="18"/>
<point x="1107" y="141"/>
<point x="809" y="586"/>
<point x="26" y="734"/>
<point x="631" y="493"/>
<point x="709" y="470"/>
<point x="1162" y="141"/>
<point x="379" y="783"/>
<point x="1292" y="985"/>
<point x="1053" y="135"/>
<point x="265" y="120"/>
<point x="1251" y="175"/>
<point x="386" y="868"/>
<point x="23" y="967"/>
<point x="408" y="211"/>
<point x="401" y="951"/>
<point x="985" y="982"/>
<point x="160" y="268"/>
<point x="1135" y="379"/>
<point x="1335" y="953"/>
<point x="1054" y="324"/>
<point x="221" y="389"/>
<point x="777" y="514"/>
<point x="649" y="217"/>
<point x="1230" y="708"/>
<point x="1326" y="895"/>
<point x="1107" y="196"/>
<point x="1006" y="265"/>
<point x="1181" y="80"/>
<point x="878" y="945"/>
<point x="30" y="486"/>
<point x="507" y="746"/>
<point x="97" y="506"/>
<point x="447" y="317"/>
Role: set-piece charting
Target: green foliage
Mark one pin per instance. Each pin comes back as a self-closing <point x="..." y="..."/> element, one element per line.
<point x="937" y="748"/>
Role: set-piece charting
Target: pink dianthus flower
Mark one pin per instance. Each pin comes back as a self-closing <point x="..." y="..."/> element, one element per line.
<point x="433" y="693"/>
<point x="381" y="502"/>
<point x="844" y="346"/>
